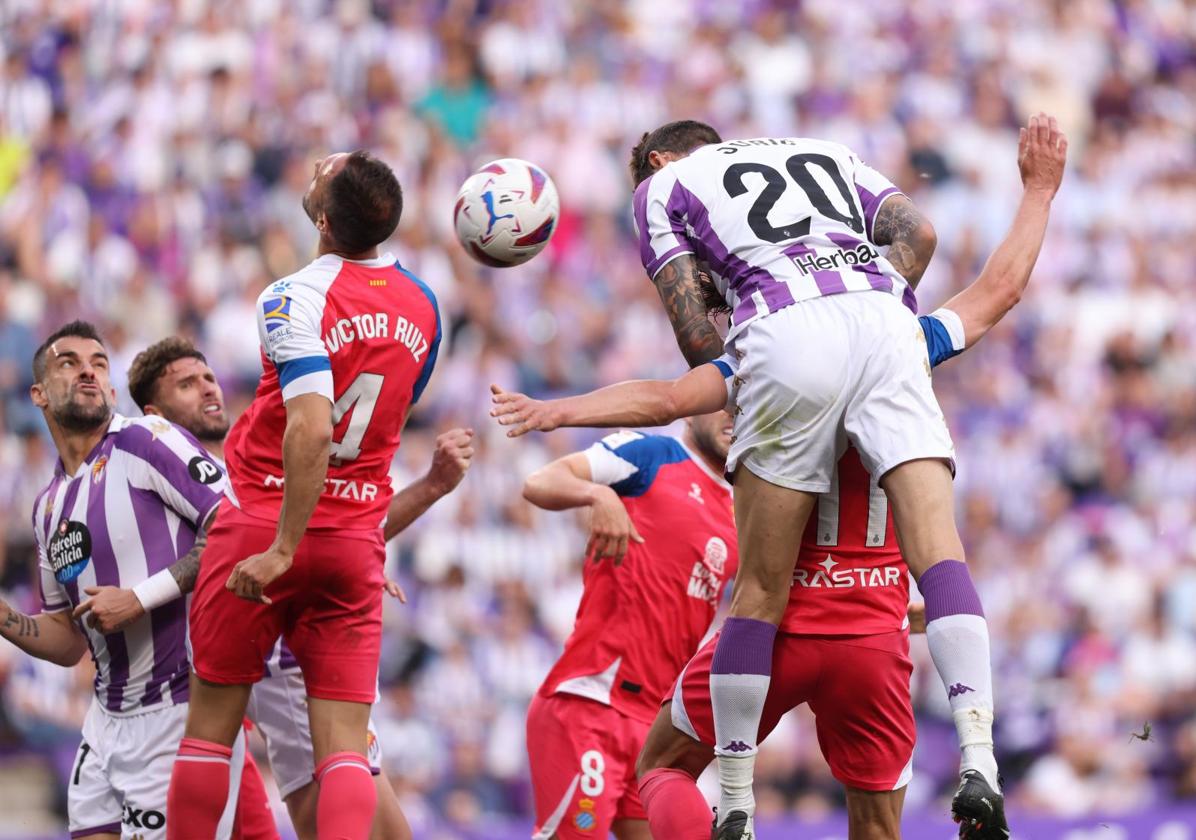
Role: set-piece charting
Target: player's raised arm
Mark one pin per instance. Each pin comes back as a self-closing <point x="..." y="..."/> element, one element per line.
<point x="450" y="461"/>
<point x="569" y="483"/>
<point x="639" y="402"/>
<point x="909" y="235"/>
<point x="1041" y="157"/>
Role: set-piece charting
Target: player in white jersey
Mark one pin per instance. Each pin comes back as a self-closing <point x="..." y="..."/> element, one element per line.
<point x="128" y="497"/>
<point x="791" y="230"/>
<point x="172" y="379"/>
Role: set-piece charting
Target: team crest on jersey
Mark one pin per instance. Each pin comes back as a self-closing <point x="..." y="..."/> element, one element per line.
<point x="277" y="312"/>
<point x="97" y="469"/>
<point x="70" y="550"/>
<point x="158" y="427"/>
<point x="585" y="819"/>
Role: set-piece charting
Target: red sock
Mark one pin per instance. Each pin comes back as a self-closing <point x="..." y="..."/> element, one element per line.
<point x="254" y="820"/>
<point x="676" y="808"/>
<point x="347" y="797"/>
<point x="198" y="790"/>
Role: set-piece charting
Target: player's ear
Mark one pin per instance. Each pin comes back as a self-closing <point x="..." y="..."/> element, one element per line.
<point x="657" y="160"/>
<point x="38" y="394"/>
<point x="151" y="410"/>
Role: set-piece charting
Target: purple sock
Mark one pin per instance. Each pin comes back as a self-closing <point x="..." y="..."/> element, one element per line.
<point x="947" y="589"/>
<point x="739" y="677"/>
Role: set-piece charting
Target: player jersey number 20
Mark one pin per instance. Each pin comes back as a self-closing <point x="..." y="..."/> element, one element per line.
<point x="360" y="398"/>
<point x="775" y="185"/>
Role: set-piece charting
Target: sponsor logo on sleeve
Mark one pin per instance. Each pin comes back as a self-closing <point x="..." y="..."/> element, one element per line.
<point x="276" y="311"/>
<point x="203" y="470"/>
<point x="70" y="550"/>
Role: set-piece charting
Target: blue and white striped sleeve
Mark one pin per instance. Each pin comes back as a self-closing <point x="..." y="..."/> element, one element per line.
<point x="288" y="321"/>
<point x="944" y="335"/>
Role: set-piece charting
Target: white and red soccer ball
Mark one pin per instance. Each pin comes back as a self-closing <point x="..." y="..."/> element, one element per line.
<point x="505" y="212"/>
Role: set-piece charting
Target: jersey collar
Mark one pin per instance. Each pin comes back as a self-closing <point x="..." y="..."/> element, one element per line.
<point x="117" y="423"/>
<point x="381" y="261"/>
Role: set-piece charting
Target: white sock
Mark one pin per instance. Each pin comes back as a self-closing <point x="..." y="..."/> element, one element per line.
<point x="960" y="649"/>
<point x="739" y="699"/>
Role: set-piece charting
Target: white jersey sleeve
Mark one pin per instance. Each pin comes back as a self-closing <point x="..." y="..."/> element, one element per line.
<point x="606" y="467"/>
<point x="660" y="221"/>
<point x="873" y="190"/>
<point x="289" y="316"/>
<point x="53" y="594"/>
<point x="174" y="467"/>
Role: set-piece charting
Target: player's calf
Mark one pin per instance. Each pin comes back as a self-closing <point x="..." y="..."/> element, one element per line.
<point x="874" y="815"/>
<point x="922" y="500"/>
<point x="667" y="769"/>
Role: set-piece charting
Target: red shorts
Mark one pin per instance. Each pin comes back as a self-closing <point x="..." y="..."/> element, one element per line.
<point x="582" y="755"/>
<point x="328" y="607"/>
<point x="857" y="687"/>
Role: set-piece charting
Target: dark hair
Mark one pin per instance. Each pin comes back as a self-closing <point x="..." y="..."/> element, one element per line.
<point x="363" y="204"/>
<point x="679" y="136"/>
<point x="76" y="329"/>
<point x="149" y="365"/>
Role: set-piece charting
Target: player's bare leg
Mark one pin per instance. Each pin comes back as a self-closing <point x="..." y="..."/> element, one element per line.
<point x="347" y="797"/>
<point x="301" y="805"/>
<point x="874" y="815"/>
<point x="668" y="769"/>
<point x="199" y="783"/>
<point x="389" y="821"/>
<point x="922" y="499"/>
<point x="631" y="830"/>
<point x="770" y="521"/>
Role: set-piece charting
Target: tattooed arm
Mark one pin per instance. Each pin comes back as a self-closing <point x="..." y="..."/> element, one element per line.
<point x="909" y="235"/>
<point x="109" y="609"/>
<point x="679" y="283"/>
<point x="50" y="636"/>
<point x="185" y="570"/>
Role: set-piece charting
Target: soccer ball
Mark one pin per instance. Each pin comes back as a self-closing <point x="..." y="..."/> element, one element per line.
<point x="506" y="212"/>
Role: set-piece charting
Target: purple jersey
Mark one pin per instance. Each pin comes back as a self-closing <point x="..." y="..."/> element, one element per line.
<point x="777" y="220"/>
<point x="131" y="510"/>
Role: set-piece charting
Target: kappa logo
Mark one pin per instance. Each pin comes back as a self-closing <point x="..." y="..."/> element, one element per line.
<point x="958" y="689"/>
<point x="695" y="493"/>
<point x="737" y="747"/>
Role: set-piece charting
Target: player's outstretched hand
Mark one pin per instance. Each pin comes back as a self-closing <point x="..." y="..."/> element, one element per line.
<point x="454" y="450"/>
<point x="253" y="574"/>
<point x="109" y="609"/>
<point x="611" y="529"/>
<point x="1042" y="154"/>
<point x="522" y="412"/>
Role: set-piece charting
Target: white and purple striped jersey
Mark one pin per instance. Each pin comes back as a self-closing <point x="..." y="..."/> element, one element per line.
<point x="131" y="510"/>
<point x="777" y="220"/>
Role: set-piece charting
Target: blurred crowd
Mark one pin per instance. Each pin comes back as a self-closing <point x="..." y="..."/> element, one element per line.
<point x="152" y="158"/>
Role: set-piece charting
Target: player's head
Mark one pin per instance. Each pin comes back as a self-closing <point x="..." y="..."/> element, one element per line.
<point x="672" y="141"/>
<point x="172" y="379"/>
<point x="710" y="434"/>
<point x="354" y="200"/>
<point x="70" y="379"/>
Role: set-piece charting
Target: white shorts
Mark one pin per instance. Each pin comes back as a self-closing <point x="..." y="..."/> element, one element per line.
<point x="828" y="371"/>
<point x="122" y="773"/>
<point x="278" y="708"/>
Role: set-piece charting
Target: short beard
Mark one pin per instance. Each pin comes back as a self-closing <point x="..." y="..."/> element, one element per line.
<point x="211" y="433"/>
<point x="77" y="418"/>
